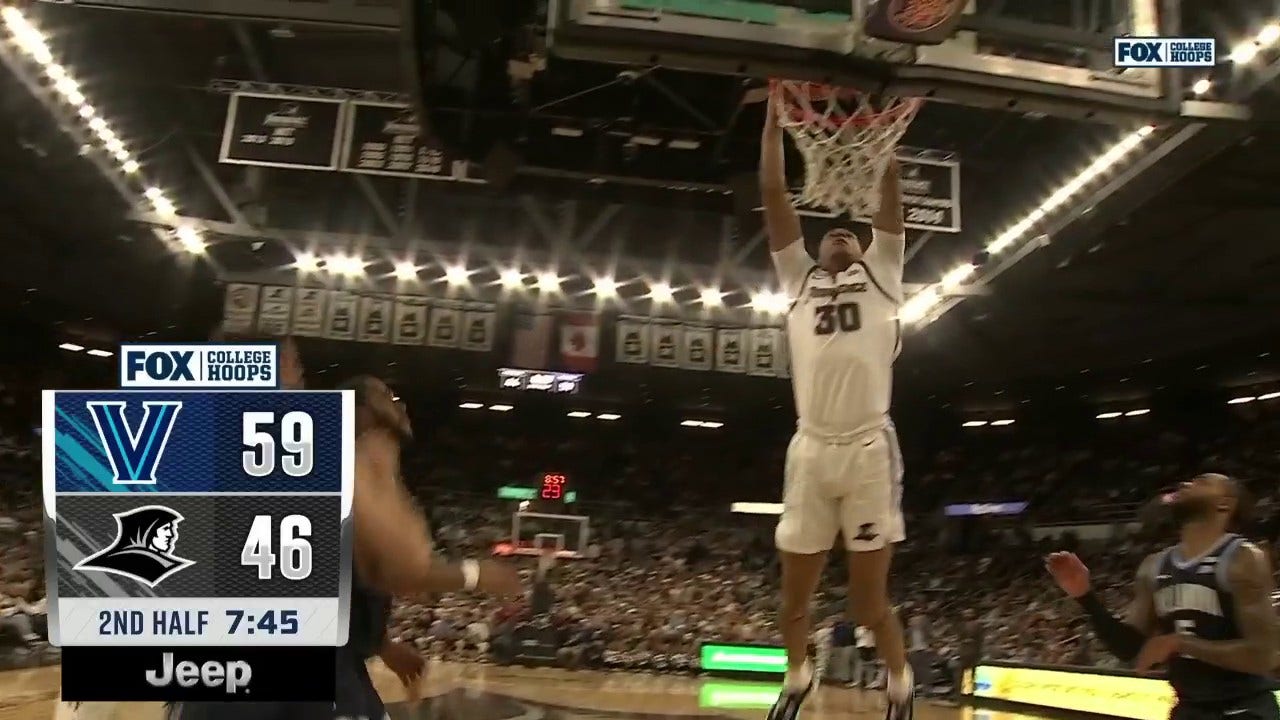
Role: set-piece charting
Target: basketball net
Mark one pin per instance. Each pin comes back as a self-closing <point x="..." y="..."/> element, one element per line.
<point x="846" y="140"/>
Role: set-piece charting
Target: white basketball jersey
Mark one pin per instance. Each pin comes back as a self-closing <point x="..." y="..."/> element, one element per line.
<point x="843" y="334"/>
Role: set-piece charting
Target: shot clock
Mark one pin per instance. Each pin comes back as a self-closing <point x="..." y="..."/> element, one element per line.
<point x="198" y="541"/>
<point x="554" y="487"/>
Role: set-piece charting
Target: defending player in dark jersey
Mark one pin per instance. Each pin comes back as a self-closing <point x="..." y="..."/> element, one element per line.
<point x="393" y="556"/>
<point x="1201" y="608"/>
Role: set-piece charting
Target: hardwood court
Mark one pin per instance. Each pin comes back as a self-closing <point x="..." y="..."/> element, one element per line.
<point x="453" y="691"/>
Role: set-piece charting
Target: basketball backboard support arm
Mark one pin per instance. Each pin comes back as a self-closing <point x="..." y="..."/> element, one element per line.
<point x="743" y="37"/>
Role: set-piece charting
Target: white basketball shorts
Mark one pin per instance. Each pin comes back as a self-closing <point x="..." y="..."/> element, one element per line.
<point x="851" y="486"/>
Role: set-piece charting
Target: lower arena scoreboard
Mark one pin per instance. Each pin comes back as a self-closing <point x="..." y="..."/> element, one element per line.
<point x="198" y="543"/>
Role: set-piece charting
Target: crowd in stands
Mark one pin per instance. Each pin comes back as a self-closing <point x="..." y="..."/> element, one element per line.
<point x="668" y="567"/>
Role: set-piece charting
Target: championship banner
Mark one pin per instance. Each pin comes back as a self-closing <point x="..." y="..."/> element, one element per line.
<point x="281" y="131"/>
<point x="375" y="319"/>
<point x="274" y="309"/>
<point x="384" y="139"/>
<point x="411" y="321"/>
<point x="632" y="342"/>
<point x="666" y="343"/>
<point x="731" y="350"/>
<point x="931" y="194"/>
<point x="238" y="306"/>
<point x="478" y="328"/>
<point x="445" y="319"/>
<point x="308" y="312"/>
<point x="698" y="348"/>
<point x="197" y="526"/>
<point x="340" y="322"/>
<point x="764" y="352"/>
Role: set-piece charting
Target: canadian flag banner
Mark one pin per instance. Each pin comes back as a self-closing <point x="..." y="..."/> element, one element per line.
<point x="579" y="341"/>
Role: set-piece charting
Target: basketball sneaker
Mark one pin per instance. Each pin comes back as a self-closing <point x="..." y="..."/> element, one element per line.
<point x="903" y="709"/>
<point x="787" y="706"/>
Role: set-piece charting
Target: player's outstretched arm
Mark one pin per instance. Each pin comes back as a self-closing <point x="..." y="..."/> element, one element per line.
<point x="889" y="217"/>
<point x="392" y="545"/>
<point x="1251" y="585"/>
<point x="1122" y="638"/>
<point x="781" y="221"/>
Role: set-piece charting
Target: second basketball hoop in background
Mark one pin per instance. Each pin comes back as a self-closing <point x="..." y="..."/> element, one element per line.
<point x="846" y="138"/>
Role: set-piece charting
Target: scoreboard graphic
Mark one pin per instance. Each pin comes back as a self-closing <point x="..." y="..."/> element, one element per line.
<point x="206" y="527"/>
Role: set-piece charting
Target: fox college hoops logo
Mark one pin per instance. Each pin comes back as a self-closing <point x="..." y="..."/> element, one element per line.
<point x="144" y="546"/>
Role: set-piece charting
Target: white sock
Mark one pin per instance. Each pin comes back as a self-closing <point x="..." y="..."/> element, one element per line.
<point x="799" y="680"/>
<point x="899" y="686"/>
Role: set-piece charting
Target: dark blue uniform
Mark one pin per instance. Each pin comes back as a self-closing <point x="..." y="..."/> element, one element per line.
<point x="355" y="697"/>
<point x="1193" y="597"/>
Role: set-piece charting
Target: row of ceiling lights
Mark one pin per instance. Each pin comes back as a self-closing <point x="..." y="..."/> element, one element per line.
<point x="95" y="352"/>
<point x="1136" y="412"/>
<point x="920" y="307"/>
<point x="32" y="42"/>
<point x="546" y="282"/>
<point x="916" y="309"/>
<point x="583" y="414"/>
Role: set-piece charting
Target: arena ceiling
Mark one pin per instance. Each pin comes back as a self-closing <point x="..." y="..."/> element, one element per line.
<point x="1178" y="262"/>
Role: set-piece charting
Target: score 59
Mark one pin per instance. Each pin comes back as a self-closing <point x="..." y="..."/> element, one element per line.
<point x="296" y="432"/>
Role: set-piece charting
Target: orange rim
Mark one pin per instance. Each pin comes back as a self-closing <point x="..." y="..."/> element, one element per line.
<point x="823" y="92"/>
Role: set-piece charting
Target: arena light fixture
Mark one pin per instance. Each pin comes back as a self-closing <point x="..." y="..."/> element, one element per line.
<point x="605" y="288"/>
<point x="511" y="279"/>
<point x="31" y="41"/>
<point x="608" y="417"/>
<point x="1002" y="423"/>
<point x="1202" y="86"/>
<point x="661" y="292"/>
<point x="548" y="282"/>
<point x="1269" y="34"/>
<point x="71" y="347"/>
<point x="712" y="424"/>
<point x="99" y="353"/>
<point x="1241" y="400"/>
<point x="770" y="303"/>
<point x="456" y="275"/>
<point x="191" y="240"/>
<point x="579" y="414"/>
<point x="974" y="423"/>
<point x="407" y="271"/>
<point x="1109" y="415"/>
<point x="710" y="297"/>
<point x="918" y="306"/>
<point x="1244" y="52"/>
<point x="471" y="405"/>
<point x="1269" y="396"/>
<point x="502" y="408"/>
<point x="1138" y="413"/>
<point x="306" y="262"/>
<point x="345" y="265"/>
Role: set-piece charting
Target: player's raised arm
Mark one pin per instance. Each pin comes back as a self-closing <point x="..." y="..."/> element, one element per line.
<point x="887" y="252"/>
<point x="1251" y="586"/>
<point x="782" y="224"/>
<point x="1123" y="638"/>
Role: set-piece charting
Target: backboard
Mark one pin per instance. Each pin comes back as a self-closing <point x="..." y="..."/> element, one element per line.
<point x="1051" y="56"/>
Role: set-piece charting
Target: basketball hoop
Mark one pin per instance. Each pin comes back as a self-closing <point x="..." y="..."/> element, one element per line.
<point x="846" y="138"/>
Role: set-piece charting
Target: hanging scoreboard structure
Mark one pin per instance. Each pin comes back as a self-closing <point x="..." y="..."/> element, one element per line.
<point x="198" y="537"/>
<point x="281" y="131"/>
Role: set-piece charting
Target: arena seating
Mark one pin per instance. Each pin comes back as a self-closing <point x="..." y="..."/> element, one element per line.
<point x="670" y="568"/>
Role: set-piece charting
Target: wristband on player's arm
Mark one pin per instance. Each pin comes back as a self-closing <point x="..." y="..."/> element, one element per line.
<point x="1120" y="638"/>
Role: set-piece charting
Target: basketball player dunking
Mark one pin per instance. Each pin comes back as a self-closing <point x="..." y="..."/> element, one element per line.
<point x="1201" y="608"/>
<point x="843" y="469"/>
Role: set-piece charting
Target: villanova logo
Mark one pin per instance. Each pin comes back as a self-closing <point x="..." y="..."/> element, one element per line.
<point x="134" y="452"/>
<point x="143" y="548"/>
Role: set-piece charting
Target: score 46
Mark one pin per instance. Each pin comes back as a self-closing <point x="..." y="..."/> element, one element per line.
<point x="296" y="458"/>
